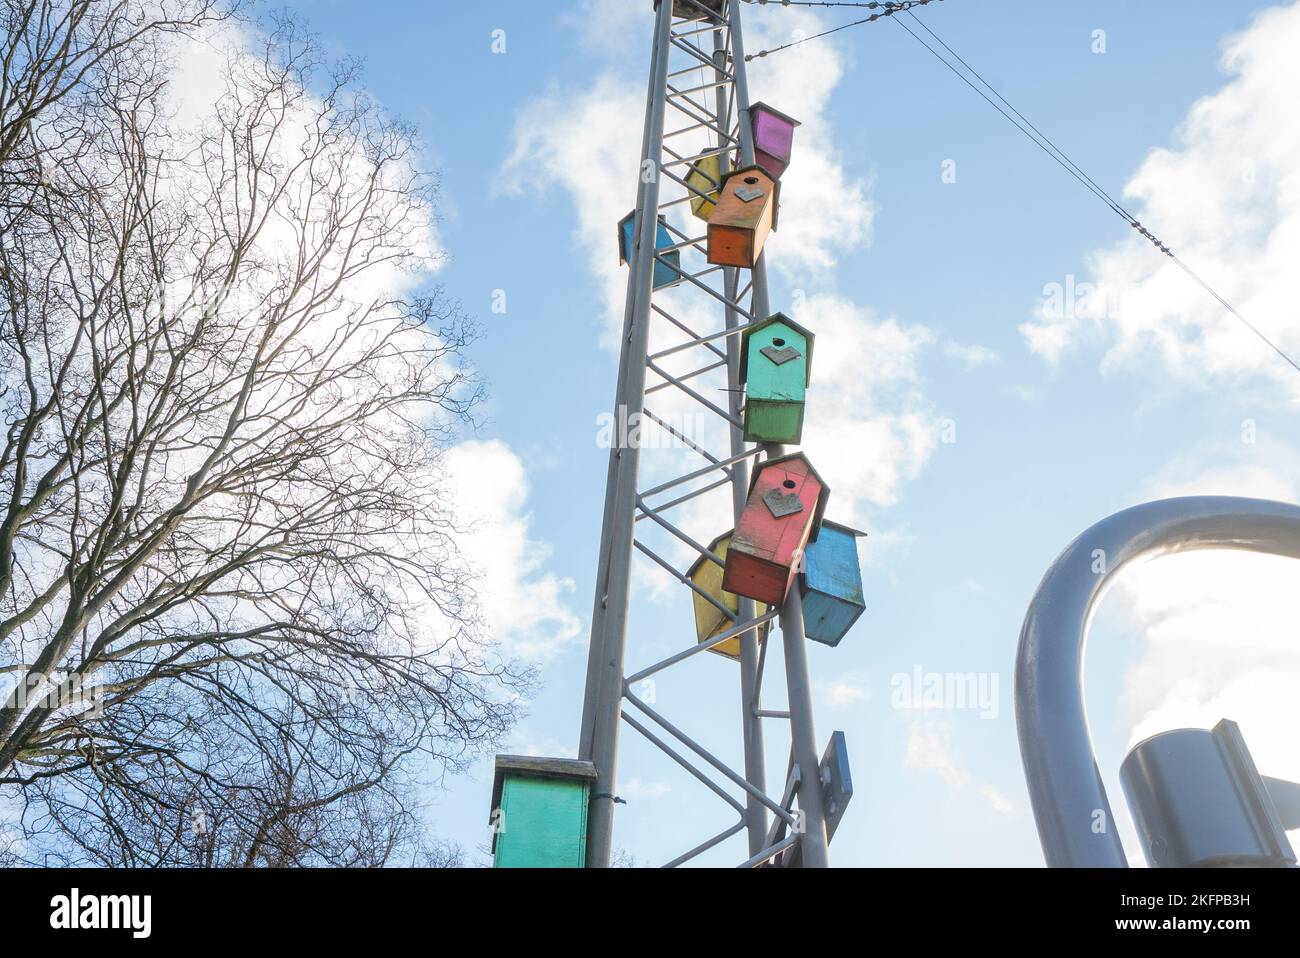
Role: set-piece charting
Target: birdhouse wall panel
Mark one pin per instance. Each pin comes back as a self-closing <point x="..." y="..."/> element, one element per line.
<point x="767" y="421"/>
<point x="777" y="363"/>
<point x="771" y="164"/>
<point x="729" y="246"/>
<point x="709" y="619"/>
<point x="773" y="136"/>
<point x="827" y="619"/>
<point x="831" y="584"/>
<point x="664" y="272"/>
<point x="706" y="176"/>
<point x="759" y="579"/>
<point x="543" y="823"/>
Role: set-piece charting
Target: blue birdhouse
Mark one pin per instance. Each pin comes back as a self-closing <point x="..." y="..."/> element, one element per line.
<point x="831" y="584"/>
<point x="665" y="274"/>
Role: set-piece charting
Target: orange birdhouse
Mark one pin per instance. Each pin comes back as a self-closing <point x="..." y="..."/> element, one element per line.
<point x="745" y="214"/>
<point x="787" y="499"/>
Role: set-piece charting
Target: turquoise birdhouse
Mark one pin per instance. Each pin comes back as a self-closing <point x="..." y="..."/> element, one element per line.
<point x="831" y="584"/>
<point x="665" y="274"/>
<point x="776" y="369"/>
<point x="539" y="811"/>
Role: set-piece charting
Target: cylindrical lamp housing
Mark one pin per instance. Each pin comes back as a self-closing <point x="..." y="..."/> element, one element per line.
<point x="1197" y="800"/>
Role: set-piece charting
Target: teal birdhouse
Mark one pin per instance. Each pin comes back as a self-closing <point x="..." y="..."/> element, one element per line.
<point x="665" y="273"/>
<point x="831" y="583"/>
<point x="775" y="368"/>
<point x="539" y="812"/>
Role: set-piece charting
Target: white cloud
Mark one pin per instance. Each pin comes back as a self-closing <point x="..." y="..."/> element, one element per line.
<point x="929" y="749"/>
<point x="525" y="607"/>
<point x="1226" y="198"/>
<point x="586" y="142"/>
<point x="843" y="692"/>
<point x="869" y="428"/>
<point x="635" y="788"/>
<point x="970" y="356"/>
<point x="998" y="799"/>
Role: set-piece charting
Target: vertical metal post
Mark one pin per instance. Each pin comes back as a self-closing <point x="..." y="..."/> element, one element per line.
<point x="803" y="734"/>
<point x="601" y="718"/>
<point x="606" y="686"/>
<point x="751" y="723"/>
<point x="596" y="649"/>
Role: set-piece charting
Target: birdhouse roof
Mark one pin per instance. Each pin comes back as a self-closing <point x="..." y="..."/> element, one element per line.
<point x="622" y="241"/>
<point x="843" y="528"/>
<point x="570" y="768"/>
<point x="761" y="324"/>
<point x="823" y="494"/>
<point x="713" y="547"/>
<point x="760" y="105"/>
<point x="759" y="171"/>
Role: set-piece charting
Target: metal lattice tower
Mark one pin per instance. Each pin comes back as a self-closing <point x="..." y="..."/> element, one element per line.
<point x="690" y="37"/>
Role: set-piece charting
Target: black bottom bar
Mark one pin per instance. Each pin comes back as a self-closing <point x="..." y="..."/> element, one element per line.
<point x="436" y="911"/>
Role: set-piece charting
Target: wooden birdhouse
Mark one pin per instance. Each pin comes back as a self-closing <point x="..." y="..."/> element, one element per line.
<point x="705" y="176"/>
<point x="745" y="214"/>
<point x="831" y="584"/>
<point x="664" y="274"/>
<point x="539" y="812"/>
<point x="787" y="499"/>
<point x="706" y="575"/>
<point x="773" y="138"/>
<point x="775" y="369"/>
<point x="695" y="9"/>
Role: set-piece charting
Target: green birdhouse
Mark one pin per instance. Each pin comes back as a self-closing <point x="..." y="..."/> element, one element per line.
<point x="775" y="368"/>
<point x="539" y="812"/>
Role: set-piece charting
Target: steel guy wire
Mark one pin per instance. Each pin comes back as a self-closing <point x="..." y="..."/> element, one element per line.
<point x="1043" y="142"/>
<point x="889" y="9"/>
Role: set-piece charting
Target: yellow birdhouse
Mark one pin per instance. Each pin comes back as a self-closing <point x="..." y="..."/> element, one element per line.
<point x="706" y="177"/>
<point x="709" y="619"/>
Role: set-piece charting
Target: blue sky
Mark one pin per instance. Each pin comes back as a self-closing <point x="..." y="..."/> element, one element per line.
<point x="937" y="289"/>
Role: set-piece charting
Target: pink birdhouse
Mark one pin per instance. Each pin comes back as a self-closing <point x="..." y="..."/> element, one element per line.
<point x="787" y="499"/>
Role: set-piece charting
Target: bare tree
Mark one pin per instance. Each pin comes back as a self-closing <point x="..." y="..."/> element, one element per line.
<point x="232" y="615"/>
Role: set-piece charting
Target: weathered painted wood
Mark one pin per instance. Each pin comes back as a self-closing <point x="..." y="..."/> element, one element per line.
<point x="709" y="619"/>
<point x="773" y="138"/>
<point x="664" y="274"/>
<point x="787" y="499"/>
<point x="684" y="10"/>
<point x="774" y="422"/>
<point x="705" y="176"/>
<point x="540" y="812"/>
<point x="745" y="214"/>
<point x="775" y="368"/>
<point x="831" y="584"/>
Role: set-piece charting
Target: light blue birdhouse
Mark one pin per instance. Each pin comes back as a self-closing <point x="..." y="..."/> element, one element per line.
<point x="831" y="584"/>
<point x="665" y="274"/>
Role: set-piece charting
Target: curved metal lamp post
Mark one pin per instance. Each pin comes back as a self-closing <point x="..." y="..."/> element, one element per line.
<point x="1075" y="825"/>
